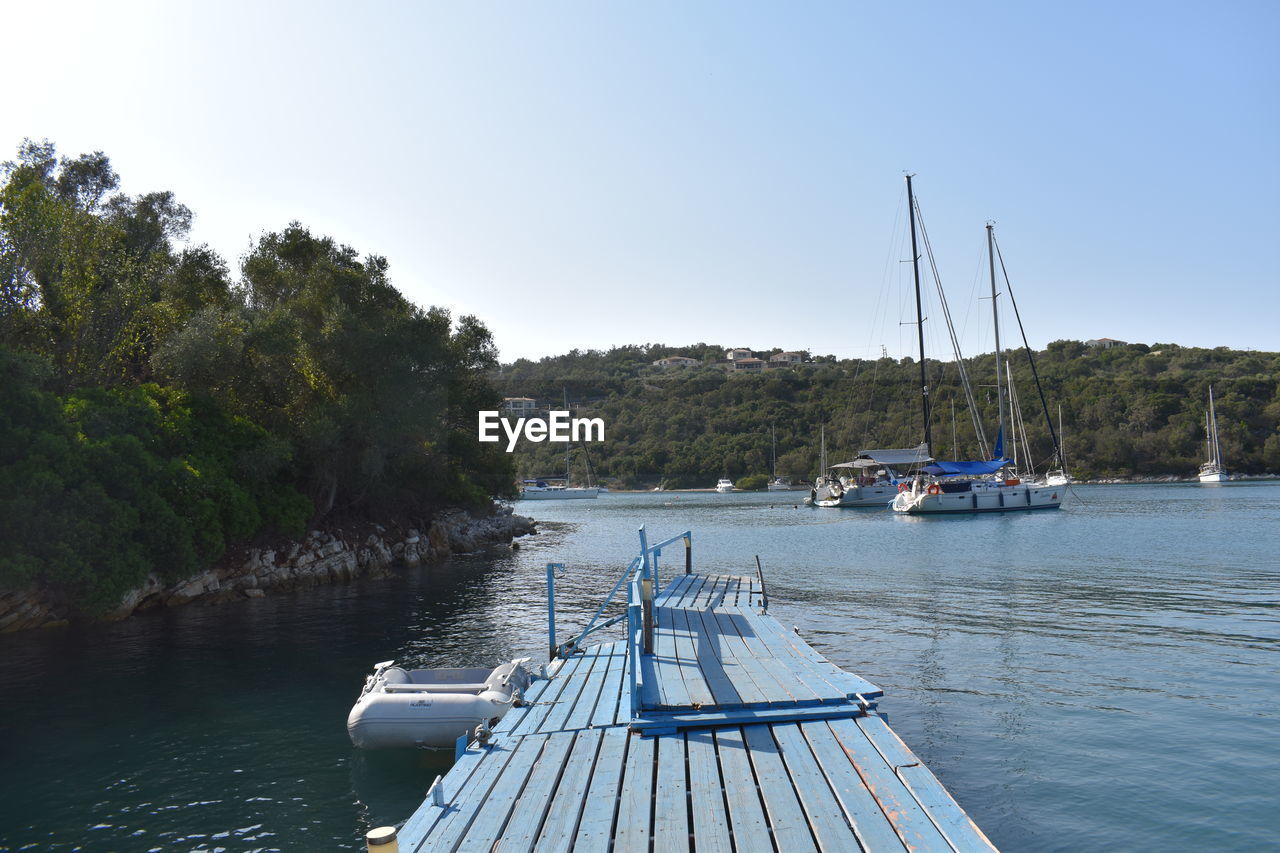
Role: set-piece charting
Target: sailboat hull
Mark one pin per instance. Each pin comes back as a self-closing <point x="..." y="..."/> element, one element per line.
<point x="554" y="494"/>
<point x="981" y="498"/>
<point x="1213" y="476"/>
<point x="877" y="495"/>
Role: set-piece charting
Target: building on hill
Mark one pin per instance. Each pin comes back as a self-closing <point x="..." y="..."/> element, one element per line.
<point x="738" y="354"/>
<point x="677" y="361"/>
<point x="785" y="359"/>
<point x="520" y="405"/>
<point x="1106" y="343"/>
<point x="748" y="365"/>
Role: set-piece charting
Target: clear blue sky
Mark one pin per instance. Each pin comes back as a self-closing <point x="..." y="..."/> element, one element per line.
<point x="583" y="175"/>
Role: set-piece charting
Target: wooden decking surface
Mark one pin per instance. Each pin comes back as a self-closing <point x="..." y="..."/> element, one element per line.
<point x="747" y="740"/>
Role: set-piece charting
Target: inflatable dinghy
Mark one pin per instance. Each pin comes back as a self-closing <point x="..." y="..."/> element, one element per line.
<point x="432" y="708"/>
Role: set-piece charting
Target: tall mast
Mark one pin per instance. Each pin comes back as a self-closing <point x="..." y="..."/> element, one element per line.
<point x="1213" y="419"/>
<point x="995" y="319"/>
<point x="915" y="269"/>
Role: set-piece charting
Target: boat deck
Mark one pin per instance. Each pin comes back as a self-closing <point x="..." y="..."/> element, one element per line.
<point x="745" y="739"/>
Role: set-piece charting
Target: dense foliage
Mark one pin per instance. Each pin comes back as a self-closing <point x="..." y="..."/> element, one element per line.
<point x="1130" y="411"/>
<point x="156" y="410"/>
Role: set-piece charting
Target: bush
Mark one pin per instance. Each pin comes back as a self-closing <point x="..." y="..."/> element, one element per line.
<point x="752" y="483"/>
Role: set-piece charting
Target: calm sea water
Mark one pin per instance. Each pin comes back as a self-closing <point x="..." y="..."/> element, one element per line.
<point x="1102" y="677"/>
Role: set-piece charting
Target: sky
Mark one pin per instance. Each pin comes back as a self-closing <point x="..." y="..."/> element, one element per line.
<point x="591" y="175"/>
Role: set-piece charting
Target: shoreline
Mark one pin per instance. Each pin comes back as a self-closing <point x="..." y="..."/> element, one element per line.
<point x="255" y="571"/>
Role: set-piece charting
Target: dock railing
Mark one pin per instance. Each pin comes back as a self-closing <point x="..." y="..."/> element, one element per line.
<point x="642" y="577"/>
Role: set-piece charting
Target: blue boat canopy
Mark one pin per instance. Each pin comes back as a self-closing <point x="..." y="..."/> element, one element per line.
<point x="972" y="469"/>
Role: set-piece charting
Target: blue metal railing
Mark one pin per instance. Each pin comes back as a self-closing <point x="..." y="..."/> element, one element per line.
<point x="642" y="568"/>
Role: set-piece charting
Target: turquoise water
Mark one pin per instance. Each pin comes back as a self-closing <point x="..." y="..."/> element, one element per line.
<point x="1101" y="677"/>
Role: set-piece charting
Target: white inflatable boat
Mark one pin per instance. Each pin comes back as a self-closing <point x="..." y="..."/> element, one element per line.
<point x="432" y="708"/>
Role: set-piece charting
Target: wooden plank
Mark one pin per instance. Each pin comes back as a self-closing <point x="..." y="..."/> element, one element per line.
<point x="463" y="774"/>
<point x="491" y="818"/>
<point x="634" y="812"/>
<point x="650" y="697"/>
<point x="464" y="802"/>
<point x="615" y="690"/>
<point x="561" y="822"/>
<point x="956" y="826"/>
<point x="670" y="800"/>
<point x="747" y="822"/>
<point x="722" y="691"/>
<point x="909" y="820"/>
<point x="870" y="824"/>
<point x="751" y="681"/>
<point x="776" y="682"/>
<point x="786" y="818"/>
<point x="792" y="643"/>
<point x="822" y="812"/>
<point x="748" y="691"/>
<point x="710" y="818"/>
<point x="684" y="586"/>
<point x="691" y="666"/>
<point x="531" y="808"/>
<point x="557" y="717"/>
<point x="595" y="827"/>
<point x="546" y="701"/>
<point x="583" y="709"/>
<point x="804" y="679"/>
<point x="711" y="595"/>
<point x="666" y="663"/>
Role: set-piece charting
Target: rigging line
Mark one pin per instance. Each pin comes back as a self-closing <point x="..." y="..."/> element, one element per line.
<point x="955" y="342"/>
<point x="1044" y="405"/>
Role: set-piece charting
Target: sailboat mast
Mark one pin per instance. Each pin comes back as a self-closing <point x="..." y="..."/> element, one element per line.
<point x="995" y="319"/>
<point x="773" y="458"/>
<point x="915" y="269"/>
<point x="1213" y="419"/>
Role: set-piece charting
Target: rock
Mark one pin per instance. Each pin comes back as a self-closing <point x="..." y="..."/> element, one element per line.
<point x="254" y="593"/>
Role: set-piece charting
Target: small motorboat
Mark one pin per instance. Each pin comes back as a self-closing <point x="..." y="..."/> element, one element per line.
<point x="432" y="708"/>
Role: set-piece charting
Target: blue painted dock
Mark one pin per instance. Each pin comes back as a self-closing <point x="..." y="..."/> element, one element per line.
<point x="709" y="728"/>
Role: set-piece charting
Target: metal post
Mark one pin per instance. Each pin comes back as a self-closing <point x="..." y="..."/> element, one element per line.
<point x="688" y="555"/>
<point x="644" y="553"/>
<point x="551" y="609"/>
<point x="657" y="572"/>
<point x="646" y="598"/>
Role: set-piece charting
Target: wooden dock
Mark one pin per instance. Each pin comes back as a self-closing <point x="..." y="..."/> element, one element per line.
<point x="732" y="735"/>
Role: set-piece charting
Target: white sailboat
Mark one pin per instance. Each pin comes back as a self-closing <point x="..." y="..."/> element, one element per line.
<point x="1212" y="471"/>
<point x="1059" y="476"/>
<point x="776" y="483"/>
<point x="555" y="488"/>
<point x="870" y="480"/>
<point x="974" y="486"/>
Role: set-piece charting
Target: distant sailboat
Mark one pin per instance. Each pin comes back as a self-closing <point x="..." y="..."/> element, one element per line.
<point x="1212" y="471"/>
<point x="1059" y="476"/>
<point x="776" y="483"/>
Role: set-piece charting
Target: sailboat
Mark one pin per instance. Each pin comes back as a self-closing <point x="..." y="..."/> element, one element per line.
<point x="870" y="480"/>
<point x="1059" y="476"/>
<point x="776" y="483"/>
<point x="555" y="488"/>
<point x="970" y="486"/>
<point x="1212" y="470"/>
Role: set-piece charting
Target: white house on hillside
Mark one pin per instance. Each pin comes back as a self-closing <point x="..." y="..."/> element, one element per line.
<point x="677" y="361"/>
<point x="520" y="405"/>
<point x="1106" y="343"/>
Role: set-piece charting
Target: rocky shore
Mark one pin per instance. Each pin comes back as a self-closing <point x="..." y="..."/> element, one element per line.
<point x="322" y="557"/>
